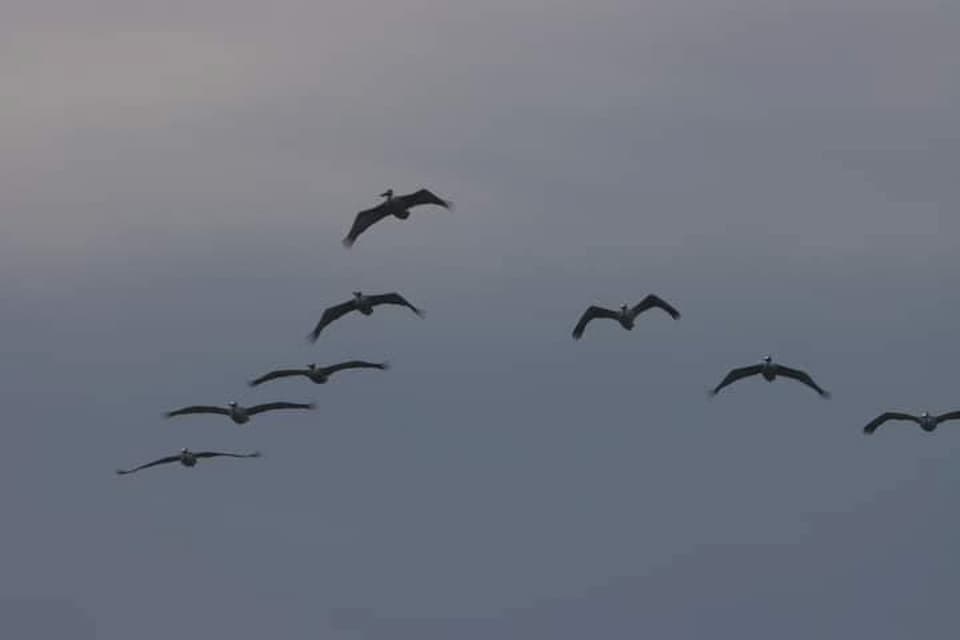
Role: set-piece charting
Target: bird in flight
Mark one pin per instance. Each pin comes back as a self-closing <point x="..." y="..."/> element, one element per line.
<point x="626" y="315"/>
<point x="240" y="415"/>
<point x="188" y="459"/>
<point x="927" y="421"/>
<point x="362" y="303"/>
<point x="770" y="371"/>
<point x="397" y="206"/>
<point x="319" y="375"/>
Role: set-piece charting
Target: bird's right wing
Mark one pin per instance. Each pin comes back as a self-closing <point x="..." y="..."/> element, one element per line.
<point x="329" y="315"/>
<point x="737" y="374"/>
<point x="166" y="460"/>
<point x="366" y="219"/>
<point x="273" y="406"/>
<point x="423" y="196"/>
<point x="890" y="415"/>
<point x="356" y="364"/>
<point x="198" y="409"/>
<point x="279" y="373"/>
<point x="394" y="298"/>
<point x="593" y="311"/>
<point x="953" y="415"/>
<point x="655" y="301"/>
<point x="214" y="454"/>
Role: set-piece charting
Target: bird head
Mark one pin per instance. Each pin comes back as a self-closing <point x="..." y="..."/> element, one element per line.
<point x="357" y="295"/>
<point x="623" y="308"/>
<point x="767" y="359"/>
<point x="312" y="366"/>
<point x="232" y="404"/>
<point x="388" y="194"/>
<point x="184" y="451"/>
<point x="924" y="414"/>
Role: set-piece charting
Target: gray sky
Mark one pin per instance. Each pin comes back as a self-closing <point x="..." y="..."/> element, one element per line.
<point x="176" y="179"/>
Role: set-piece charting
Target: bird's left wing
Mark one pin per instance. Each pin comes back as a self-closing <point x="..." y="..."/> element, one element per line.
<point x="272" y="406"/>
<point x="366" y="219"/>
<point x="593" y="311"/>
<point x="198" y="409"/>
<point x="393" y="298"/>
<point x="801" y="376"/>
<point x="329" y="315"/>
<point x="279" y="373"/>
<point x="737" y="374"/>
<point x="166" y="460"/>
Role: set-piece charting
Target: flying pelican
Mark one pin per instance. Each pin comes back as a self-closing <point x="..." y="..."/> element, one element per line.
<point x="926" y="421"/>
<point x="240" y="415"/>
<point x="188" y="459"/>
<point x="770" y="370"/>
<point x="362" y="303"/>
<point x="320" y="375"/>
<point x="625" y="315"/>
<point x="397" y="206"/>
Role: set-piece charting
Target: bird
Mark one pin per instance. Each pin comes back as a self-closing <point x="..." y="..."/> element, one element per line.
<point x="188" y="459"/>
<point x="317" y="374"/>
<point x="769" y="370"/>
<point x="240" y="415"/>
<point x="362" y="303"/>
<point x="397" y="206"/>
<point x="626" y="315"/>
<point x="926" y="421"/>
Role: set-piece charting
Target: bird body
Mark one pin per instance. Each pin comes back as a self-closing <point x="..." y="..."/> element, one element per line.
<point x="927" y="421"/>
<point x="188" y="458"/>
<point x="769" y="371"/>
<point x="396" y="206"/>
<point x="362" y="303"/>
<point x="625" y="315"/>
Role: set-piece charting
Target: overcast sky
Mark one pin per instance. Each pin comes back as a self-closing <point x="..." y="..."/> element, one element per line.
<point x="176" y="178"/>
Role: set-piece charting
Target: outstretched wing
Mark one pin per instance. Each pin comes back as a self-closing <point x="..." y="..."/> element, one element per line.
<point x="198" y="409"/>
<point x="272" y="406"/>
<point x="953" y="415"/>
<point x="279" y="373"/>
<point x="890" y="415"/>
<point x="593" y="311"/>
<point x="356" y="364"/>
<point x="329" y="315"/>
<point x="737" y="374"/>
<point x="654" y="301"/>
<point x="423" y="196"/>
<point x="393" y="298"/>
<point x="801" y="376"/>
<point x="166" y="460"/>
<point x="365" y="219"/>
<point x="214" y="454"/>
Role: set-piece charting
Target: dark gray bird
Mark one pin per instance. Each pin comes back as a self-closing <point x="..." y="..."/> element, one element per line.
<point x="240" y="415"/>
<point x="319" y="375"/>
<point x="188" y="459"/>
<point x="397" y="206"/>
<point x="362" y="303"/>
<point x="625" y="315"/>
<point x="926" y="421"/>
<point x="770" y="370"/>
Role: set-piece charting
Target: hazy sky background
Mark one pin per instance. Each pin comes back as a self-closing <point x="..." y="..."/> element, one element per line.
<point x="176" y="178"/>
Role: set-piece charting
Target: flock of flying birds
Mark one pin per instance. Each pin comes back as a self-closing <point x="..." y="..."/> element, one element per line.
<point x="399" y="207"/>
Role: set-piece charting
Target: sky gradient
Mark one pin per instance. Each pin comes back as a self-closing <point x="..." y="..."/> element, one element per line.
<point x="176" y="180"/>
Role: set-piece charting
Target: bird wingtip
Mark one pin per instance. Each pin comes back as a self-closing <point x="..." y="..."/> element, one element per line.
<point x="347" y="242"/>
